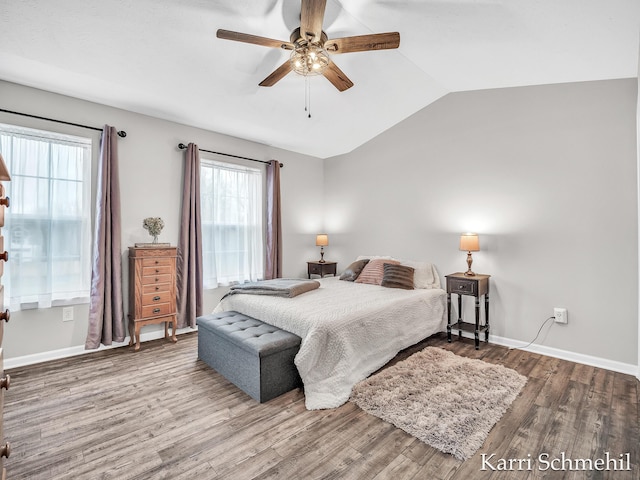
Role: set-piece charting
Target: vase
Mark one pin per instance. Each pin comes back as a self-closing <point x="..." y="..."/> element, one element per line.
<point x="155" y="239"/>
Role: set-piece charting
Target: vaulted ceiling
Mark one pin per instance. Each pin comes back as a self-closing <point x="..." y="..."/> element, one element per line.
<point x="163" y="58"/>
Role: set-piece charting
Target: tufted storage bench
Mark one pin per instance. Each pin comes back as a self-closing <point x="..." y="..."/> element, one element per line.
<point x="255" y="356"/>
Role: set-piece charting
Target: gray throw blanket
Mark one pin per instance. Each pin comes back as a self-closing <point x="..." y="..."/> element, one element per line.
<point x="279" y="287"/>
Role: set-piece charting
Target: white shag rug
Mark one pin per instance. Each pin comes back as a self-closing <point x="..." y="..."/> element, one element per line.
<point x="447" y="401"/>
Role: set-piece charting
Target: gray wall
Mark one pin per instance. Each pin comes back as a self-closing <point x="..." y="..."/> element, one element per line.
<point x="546" y="175"/>
<point x="151" y="179"/>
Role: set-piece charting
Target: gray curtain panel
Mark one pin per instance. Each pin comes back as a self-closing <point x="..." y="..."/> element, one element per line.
<point x="189" y="268"/>
<point x="273" y="267"/>
<point x="106" y="313"/>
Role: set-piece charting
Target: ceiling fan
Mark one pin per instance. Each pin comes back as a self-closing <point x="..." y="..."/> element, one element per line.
<point x="311" y="48"/>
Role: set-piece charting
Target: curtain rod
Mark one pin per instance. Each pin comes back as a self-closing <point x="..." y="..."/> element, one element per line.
<point x="182" y="146"/>
<point x="121" y="133"/>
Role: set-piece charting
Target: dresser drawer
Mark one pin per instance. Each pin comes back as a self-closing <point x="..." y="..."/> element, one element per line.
<point x="156" y="298"/>
<point x="2" y="322"/>
<point x="157" y="261"/>
<point x="157" y="269"/>
<point x="153" y="279"/>
<point x="2" y="440"/>
<point x="157" y="310"/>
<point x="3" y="255"/>
<point x="156" y="287"/>
<point x="463" y="287"/>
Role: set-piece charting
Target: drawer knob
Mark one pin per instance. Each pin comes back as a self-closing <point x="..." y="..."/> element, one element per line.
<point x="5" y="451"/>
<point x="156" y="310"/>
<point x="5" y="382"/>
<point x="157" y="288"/>
<point x="156" y="298"/>
<point x="6" y="315"/>
<point x="157" y="262"/>
<point x="5" y="201"/>
<point x="157" y="279"/>
<point x="4" y="256"/>
<point x="157" y="271"/>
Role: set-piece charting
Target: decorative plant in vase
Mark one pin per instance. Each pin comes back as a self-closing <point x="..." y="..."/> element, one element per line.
<point x="154" y="226"/>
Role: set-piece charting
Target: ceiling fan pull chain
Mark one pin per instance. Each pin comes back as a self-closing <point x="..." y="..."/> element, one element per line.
<point x="309" y="94"/>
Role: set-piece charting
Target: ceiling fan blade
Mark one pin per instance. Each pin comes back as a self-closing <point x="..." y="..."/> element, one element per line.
<point x="311" y="18"/>
<point x="253" y="39"/>
<point x="363" y="43"/>
<point x="337" y="77"/>
<point x="277" y="75"/>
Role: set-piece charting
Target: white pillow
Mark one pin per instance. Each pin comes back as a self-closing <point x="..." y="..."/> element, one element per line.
<point x="425" y="274"/>
<point x="373" y="257"/>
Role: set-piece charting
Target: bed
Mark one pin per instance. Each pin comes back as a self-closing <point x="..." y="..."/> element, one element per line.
<point x="349" y="330"/>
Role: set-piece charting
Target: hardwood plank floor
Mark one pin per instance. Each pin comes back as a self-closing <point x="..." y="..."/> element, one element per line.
<point x="163" y="414"/>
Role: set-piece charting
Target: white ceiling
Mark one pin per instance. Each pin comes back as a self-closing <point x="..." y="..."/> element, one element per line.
<point x="163" y="58"/>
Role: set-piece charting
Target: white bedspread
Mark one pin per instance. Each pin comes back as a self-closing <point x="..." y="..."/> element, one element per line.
<point x="348" y="330"/>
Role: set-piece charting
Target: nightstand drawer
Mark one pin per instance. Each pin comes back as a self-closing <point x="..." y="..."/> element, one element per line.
<point x="315" y="269"/>
<point x="462" y="287"/>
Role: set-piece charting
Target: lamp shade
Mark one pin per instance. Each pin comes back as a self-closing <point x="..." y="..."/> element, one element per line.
<point x="322" y="240"/>
<point x="469" y="242"/>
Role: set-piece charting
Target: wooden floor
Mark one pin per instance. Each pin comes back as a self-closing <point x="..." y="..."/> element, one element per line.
<point x="161" y="413"/>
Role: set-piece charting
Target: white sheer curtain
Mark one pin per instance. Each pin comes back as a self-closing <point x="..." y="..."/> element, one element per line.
<point x="48" y="225"/>
<point x="232" y="236"/>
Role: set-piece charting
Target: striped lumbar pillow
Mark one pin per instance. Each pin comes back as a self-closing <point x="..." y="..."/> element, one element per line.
<point x="374" y="271"/>
<point x="398" y="276"/>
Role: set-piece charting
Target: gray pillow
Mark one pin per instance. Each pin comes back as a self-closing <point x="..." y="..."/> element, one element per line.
<point x="398" y="276"/>
<point x="353" y="270"/>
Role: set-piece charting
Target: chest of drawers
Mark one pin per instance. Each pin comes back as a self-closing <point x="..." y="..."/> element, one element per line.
<point x="152" y="290"/>
<point x="5" y="380"/>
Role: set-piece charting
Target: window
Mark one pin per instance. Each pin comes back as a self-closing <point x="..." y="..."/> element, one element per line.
<point x="231" y="217"/>
<point x="48" y="225"/>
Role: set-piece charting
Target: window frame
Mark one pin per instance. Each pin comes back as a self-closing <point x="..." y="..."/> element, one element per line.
<point x="79" y="292"/>
<point x="259" y="173"/>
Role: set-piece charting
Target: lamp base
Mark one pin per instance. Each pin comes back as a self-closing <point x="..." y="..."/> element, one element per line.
<point x="469" y="273"/>
<point x="321" y="255"/>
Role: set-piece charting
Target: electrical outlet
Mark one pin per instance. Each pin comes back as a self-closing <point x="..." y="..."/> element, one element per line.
<point x="560" y="315"/>
<point x="67" y="314"/>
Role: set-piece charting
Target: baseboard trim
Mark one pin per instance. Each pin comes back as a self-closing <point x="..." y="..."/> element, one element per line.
<point x="612" y="365"/>
<point x="80" y="350"/>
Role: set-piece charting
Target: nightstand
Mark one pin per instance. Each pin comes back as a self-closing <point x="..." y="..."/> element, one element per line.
<point x="475" y="286"/>
<point x="322" y="269"/>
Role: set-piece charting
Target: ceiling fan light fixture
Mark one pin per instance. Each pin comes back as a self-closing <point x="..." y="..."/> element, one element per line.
<point x="309" y="59"/>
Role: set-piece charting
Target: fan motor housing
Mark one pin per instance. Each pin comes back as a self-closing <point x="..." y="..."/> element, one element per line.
<point x="298" y="40"/>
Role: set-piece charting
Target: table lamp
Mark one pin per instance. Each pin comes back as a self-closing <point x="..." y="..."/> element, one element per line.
<point x="322" y="240"/>
<point x="469" y="243"/>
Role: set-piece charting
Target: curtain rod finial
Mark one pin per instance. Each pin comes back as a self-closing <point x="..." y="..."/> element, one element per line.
<point x="122" y="134"/>
<point x="182" y="146"/>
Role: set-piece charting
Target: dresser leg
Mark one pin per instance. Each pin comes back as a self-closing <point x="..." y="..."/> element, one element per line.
<point x="137" y="347"/>
<point x="131" y="334"/>
<point x="174" y="327"/>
